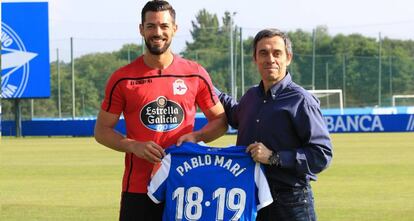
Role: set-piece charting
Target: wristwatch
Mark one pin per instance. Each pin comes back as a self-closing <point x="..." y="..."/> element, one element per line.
<point x="274" y="159"/>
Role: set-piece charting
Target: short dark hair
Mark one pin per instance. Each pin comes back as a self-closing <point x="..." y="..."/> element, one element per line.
<point x="157" y="6"/>
<point x="270" y="33"/>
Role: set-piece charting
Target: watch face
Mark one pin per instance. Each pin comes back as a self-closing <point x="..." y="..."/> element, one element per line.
<point x="274" y="159"/>
<point x="270" y="159"/>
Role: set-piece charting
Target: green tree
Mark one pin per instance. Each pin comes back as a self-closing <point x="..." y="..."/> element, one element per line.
<point x="210" y="47"/>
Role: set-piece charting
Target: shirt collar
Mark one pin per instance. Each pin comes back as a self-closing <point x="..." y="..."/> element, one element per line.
<point x="277" y="88"/>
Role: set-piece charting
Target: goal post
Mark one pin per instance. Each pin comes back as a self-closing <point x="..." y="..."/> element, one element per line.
<point x="401" y="97"/>
<point x="330" y="98"/>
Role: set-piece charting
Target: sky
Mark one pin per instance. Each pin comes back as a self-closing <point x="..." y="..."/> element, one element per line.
<point x="105" y="25"/>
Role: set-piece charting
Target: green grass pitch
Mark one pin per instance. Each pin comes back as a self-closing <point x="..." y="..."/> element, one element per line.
<point x="371" y="178"/>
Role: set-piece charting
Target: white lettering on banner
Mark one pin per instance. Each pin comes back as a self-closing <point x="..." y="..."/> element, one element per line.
<point x="410" y="125"/>
<point x="355" y="123"/>
<point x="8" y="91"/>
<point x="6" y="41"/>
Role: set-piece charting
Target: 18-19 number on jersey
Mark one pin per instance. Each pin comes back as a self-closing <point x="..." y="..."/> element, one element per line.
<point x="190" y="202"/>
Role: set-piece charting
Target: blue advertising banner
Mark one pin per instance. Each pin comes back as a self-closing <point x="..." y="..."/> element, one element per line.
<point x="370" y="123"/>
<point x="336" y="124"/>
<point x="25" y="68"/>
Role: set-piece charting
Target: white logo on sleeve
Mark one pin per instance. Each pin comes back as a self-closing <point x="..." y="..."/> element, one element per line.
<point x="179" y="87"/>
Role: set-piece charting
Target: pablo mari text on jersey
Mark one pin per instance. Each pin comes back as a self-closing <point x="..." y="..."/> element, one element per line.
<point x="208" y="160"/>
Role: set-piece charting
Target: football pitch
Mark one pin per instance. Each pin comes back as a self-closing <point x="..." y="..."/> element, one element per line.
<point x="371" y="178"/>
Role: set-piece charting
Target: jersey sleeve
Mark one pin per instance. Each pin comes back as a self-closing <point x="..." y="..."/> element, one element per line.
<point x="113" y="101"/>
<point x="206" y="97"/>
<point x="158" y="185"/>
<point x="264" y="196"/>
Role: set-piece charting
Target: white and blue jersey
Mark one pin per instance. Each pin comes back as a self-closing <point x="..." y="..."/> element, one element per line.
<point x="203" y="183"/>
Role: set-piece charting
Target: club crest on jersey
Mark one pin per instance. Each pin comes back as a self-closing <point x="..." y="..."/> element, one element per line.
<point x="179" y="87"/>
<point x="162" y="115"/>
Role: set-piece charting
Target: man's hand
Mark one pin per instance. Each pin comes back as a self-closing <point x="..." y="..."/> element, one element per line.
<point x="192" y="137"/>
<point x="106" y="135"/>
<point x="149" y="151"/>
<point x="259" y="152"/>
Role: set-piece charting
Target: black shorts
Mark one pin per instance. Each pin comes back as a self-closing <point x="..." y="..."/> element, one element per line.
<point x="138" y="206"/>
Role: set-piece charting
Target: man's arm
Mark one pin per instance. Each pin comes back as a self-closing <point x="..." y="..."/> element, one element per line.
<point x="230" y="107"/>
<point x="215" y="128"/>
<point x="313" y="156"/>
<point x="315" y="153"/>
<point x="106" y="135"/>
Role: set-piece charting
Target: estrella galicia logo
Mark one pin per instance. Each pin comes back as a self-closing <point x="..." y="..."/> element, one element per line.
<point x="14" y="63"/>
<point x="162" y="115"/>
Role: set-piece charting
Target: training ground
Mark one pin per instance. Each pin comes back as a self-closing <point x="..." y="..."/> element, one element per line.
<point x="65" y="178"/>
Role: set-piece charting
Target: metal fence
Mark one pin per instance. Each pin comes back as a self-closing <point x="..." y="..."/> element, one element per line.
<point x="366" y="81"/>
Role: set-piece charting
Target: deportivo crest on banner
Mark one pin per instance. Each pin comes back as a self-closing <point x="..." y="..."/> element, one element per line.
<point x="162" y="115"/>
<point x="25" y="68"/>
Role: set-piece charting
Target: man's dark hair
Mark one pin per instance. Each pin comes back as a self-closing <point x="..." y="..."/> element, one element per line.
<point x="157" y="6"/>
<point x="270" y="33"/>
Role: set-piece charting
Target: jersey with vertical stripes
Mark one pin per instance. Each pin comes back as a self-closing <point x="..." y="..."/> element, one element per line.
<point x="203" y="183"/>
<point x="158" y="105"/>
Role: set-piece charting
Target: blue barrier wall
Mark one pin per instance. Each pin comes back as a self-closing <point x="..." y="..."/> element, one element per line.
<point x="66" y="127"/>
<point x="335" y="124"/>
<point x="370" y="123"/>
<point x="81" y="127"/>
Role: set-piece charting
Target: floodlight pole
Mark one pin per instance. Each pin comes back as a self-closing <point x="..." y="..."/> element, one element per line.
<point x="231" y="57"/>
<point x="242" y="60"/>
<point x="73" y="78"/>
<point x="31" y="109"/>
<point x="313" y="58"/>
<point x="235" y="63"/>
<point x="58" y="77"/>
<point x="379" y="70"/>
<point x="129" y="55"/>
<point x="18" y="117"/>
<point x="390" y="75"/>
<point x="344" y="77"/>
<point x="327" y="81"/>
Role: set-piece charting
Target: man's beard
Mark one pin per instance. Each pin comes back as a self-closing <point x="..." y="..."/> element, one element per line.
<point x="156" y="50"/>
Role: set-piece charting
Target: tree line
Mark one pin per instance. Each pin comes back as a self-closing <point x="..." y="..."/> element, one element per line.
<point x="348" y="62"/>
